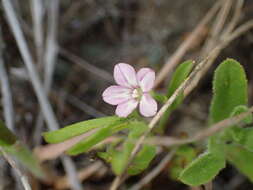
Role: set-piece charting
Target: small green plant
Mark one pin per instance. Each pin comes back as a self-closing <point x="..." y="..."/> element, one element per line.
<point x="234" y="144"/>
<point x="229" y="98"/>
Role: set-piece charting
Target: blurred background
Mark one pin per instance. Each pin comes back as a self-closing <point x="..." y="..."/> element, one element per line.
<point x="73" y="46"/>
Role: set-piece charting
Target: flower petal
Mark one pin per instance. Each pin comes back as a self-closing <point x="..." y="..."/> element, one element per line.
<point x="148" y="106"/>
<point x="146" y="79"/>
<point x="124" y="109"/>
<point x="125" y="75"/>
<point x="115" y="95"/>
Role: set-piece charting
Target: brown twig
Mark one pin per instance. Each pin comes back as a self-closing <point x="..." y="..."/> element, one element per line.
<point x="213" y="129"/>
<point x="235" y="18"/>
<point x="62" y="183"/>
<point x="226" y="41"/>
<point x="185" y="46"/>
<point x="154" y="172"/>
<point x="217" y="28"/>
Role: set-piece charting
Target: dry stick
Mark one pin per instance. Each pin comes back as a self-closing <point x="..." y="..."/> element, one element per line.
<point x="62" y="183"/>
<point x="33" y="74"/>
<point x="213" y="41"/>
<point x="213" y="129"/>
<point x="51" y="43"/>
<point x="217" y="27"/>
<point x="187" y="83"/>
<point x="154" y="172"/>
<point x="6" y="90"/>
<point x="84" y="107"/>
<point x="49" y="60"/>
<point x="239" y="31"/>
<point x="37" y="17"/>
<point x="185" y="46"/>
<point x="87" y="66"/>
<point x="52" y="151"/>
<point x="22" y="177"/>
<point x="235" y="18"/>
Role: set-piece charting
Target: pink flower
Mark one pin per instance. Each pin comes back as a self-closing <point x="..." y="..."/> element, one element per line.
<point x="131" y="89"/>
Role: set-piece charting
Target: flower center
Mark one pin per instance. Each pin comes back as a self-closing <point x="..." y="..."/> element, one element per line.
<point x="137" y="93"/>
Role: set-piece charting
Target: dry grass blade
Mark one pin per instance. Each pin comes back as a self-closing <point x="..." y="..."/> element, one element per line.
<point x="39" y="90"/>
<point x="62" y="183"/>
<point x="37" y="16"/>
<point x="6" y="90"/>
<point x="33" y="74"/>
<point x="217" y="27"/>
<point x="235" y="19"/>
<point x="52" y="151"/>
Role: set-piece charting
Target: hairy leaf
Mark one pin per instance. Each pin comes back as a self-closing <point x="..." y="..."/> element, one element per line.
<point x="230" y="90"/>
<point x="142" y="160"/>
<point x="202" y="169"/>
<point x="241" y="159"/>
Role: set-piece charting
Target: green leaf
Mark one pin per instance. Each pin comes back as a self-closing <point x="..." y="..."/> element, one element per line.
<point x="178" y="77"/>
<point x="243" y="136"/>
<point x="247" y="138"/>
<point x="228" y="78"/>
<point x="97" y="137"/>
<point x="142" y="160"/>
<point x="230" y="90"/>
<point x="180" y="74"/>
<point x="78" y="129"/>
<point x="184" y="155"/>
<point x="240" y="109"/>
<point x="120" y="158"/>
<point x="7" y="138"/>
<point x="159" y="97"/>
<point x="202" y="170"/>
<point x="241" y="159"/>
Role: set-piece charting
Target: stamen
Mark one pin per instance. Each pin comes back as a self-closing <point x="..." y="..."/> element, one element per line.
<point x="135" y="93"/>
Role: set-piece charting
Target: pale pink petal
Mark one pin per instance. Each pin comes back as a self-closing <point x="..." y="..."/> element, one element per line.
<point x="148" y="106"/>
<point x="124" y="109"/>
<point x="115" y="95"/>
<point x="146" y="79"/>
<point x="125" y="75"/>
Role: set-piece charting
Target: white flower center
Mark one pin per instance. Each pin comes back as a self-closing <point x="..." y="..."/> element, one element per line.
<point x="137" y="93"/>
